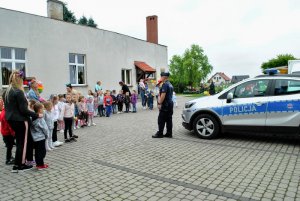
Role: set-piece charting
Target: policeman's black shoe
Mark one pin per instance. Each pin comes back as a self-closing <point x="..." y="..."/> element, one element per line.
<point x="75" y="136"/>
<point x="168" y="135"/>
<point x="157" y="135"/>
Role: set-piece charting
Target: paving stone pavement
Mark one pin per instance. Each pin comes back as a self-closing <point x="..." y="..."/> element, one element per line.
<point x="118" y="160"/>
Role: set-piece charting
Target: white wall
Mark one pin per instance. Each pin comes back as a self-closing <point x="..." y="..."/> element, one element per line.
<point x="49" y="42"/>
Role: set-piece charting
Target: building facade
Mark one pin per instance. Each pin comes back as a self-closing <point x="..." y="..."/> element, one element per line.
<point x="57" y="52"/>
<point x="219" y="79"/>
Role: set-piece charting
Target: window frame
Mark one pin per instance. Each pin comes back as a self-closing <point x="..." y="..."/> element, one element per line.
<point x="269" y="91"/>
<point x="125" y="76"/>
<point x="77" y="65"/>
<point x="288" y="80"/>
<point x="13" y="60"/>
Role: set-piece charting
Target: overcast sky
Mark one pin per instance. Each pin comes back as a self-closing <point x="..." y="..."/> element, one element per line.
<point x="236" y="35"/>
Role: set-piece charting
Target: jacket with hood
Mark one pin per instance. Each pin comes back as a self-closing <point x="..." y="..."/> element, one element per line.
<point x="39" y="130"/>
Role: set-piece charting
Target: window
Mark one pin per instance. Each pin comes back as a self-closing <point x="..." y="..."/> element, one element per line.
<point x="283" y="87"/>
<point x="77" y="69"/>
<point x="126" y="76"/>
<point x="11" y="59"/>
<point x="251" y="89"/>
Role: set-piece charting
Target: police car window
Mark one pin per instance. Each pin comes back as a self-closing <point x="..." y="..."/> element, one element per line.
<point x="253" y="88"/>
<point x="285" y="87"/>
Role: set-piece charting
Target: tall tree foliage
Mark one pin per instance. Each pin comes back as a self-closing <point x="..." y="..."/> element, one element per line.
<point x="280" y="60"/>
<point x="91" y="23"/>
<point x="83" y="20"/>
<point x="190" y="69"/>
<point x="69" y="15"/>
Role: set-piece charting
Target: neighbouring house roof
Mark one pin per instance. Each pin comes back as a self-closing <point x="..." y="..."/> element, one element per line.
<point x="221" y="74"/>
<point x="238" y="78"/>
<point x="144" y="67"/>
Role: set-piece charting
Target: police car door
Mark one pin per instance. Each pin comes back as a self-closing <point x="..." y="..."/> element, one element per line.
<point x="283" y="113"/>
<point x="247" y="109"/>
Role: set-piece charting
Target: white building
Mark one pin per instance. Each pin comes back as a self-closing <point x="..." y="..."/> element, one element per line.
<point x="58" y="52"/>
<point x="219" y="78"/>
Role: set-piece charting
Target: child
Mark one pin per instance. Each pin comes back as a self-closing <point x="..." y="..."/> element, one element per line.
<point x="50" y="123"/>
<point x="174" y="99"/>
<point x="60" y="123"/>
<point x="100" y="103"/>
<point x="127" y="102"/>
<point x="114" y="97"/>
<point x="39" y="132"/>
<point x="108" y="103"/>
<point x="120" y="101"/>
<point x="55" y="115"/>
<point x="82" y="111"/>
<point x="95" y="104"/>
<point x="133" y="101"/>
<point x="67" y="115"/>
<point x="150" y="98"/>
<point x="90" y="110"/>
<point x="8" y="137"/>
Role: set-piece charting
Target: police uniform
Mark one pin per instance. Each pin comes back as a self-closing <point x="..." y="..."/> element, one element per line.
<point x="166" y="110"/>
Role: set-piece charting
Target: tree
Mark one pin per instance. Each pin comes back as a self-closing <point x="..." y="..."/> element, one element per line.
<point x="91" y="23"/>
<point x="83" y="20"/>
<point x="177" y="72"/>
<point x="190" y="69"/>
<point x="280" y="60"/>
<point x="68" y="15"/>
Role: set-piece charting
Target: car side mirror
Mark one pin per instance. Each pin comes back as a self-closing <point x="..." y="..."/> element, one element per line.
<point x="229" y="97"/>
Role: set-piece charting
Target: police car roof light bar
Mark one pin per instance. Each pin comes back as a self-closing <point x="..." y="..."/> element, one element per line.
<point x="271" y="71"/>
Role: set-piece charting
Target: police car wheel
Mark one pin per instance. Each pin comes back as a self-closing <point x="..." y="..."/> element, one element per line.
<point x="206" y="126"/>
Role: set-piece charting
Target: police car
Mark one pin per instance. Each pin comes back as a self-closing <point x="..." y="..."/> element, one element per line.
<point x="266" y="103"/>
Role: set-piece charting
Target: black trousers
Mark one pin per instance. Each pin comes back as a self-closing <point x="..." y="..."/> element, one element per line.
<point x="101" y="110"/>
<point x="30" y="146"/>
<point x="127" y="105"/>
<point x="165" y="118"/>
<point x="54" y="133"/>
<point x="9" y="143"/>
<point x="68" y="127"/>
<point x="84" y="116"/>
<point x="21" y="134"/>
<point x="120" y="107"/>
<point x="40" y="152"/>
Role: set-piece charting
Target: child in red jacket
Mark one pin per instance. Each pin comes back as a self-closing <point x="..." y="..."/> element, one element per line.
<point x="8" y="138"/>
<point x="108" y="103"/>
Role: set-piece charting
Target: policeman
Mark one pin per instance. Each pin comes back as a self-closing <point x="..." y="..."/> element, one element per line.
<point x="165" y="106"/>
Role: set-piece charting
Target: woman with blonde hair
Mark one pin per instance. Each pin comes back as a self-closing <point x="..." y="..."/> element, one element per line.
<point x="18" y="115"/>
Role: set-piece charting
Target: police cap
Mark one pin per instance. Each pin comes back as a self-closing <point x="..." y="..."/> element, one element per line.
<point x="167" y="74"/>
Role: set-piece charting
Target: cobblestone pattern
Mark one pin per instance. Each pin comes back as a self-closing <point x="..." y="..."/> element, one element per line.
<point x="118" y="160"/>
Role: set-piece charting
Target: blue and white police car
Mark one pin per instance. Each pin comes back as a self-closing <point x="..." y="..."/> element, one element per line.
<point x="266" y="103"/>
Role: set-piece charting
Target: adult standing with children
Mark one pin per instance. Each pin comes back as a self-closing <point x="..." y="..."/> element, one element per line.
<point x="142" y="89"/>
<point x="18" y="116"/>
<point x="125" y="88"/>
<point x="98" y="86"/>
<point x="165" y="105"/>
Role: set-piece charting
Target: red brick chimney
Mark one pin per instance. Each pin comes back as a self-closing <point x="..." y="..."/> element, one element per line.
<point x="152" y="29"/>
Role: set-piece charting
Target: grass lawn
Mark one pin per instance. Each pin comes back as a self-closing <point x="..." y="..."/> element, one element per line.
<point x="192" y="95"/>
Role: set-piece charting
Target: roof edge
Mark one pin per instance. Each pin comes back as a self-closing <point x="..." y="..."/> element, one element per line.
<point x="81" y="25"/>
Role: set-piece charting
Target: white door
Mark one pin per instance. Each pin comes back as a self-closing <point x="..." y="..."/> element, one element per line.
<point x="284" y="106"/>
<point x="248" y="106"/>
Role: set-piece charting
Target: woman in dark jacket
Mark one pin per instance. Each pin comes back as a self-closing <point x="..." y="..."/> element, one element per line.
<point x="18" y="115"/>
<point x="125" y="88"/>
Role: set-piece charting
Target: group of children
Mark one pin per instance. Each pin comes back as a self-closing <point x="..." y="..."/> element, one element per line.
<point x="65" y="113"/>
